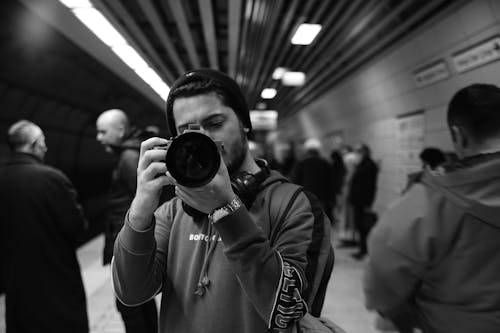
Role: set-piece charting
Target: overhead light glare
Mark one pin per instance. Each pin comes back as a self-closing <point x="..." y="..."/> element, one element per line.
<point x="293" y="79"/>
<point x="99" y="25"/>
<point x="102" y="28"/>
<point x="129" y="56"/>
<point x="278" y="73"/>
<point x="268" y="93"/>
<point x="154" y="81"/>
<point x="306" y="33"/>
<point x="77" y="3"/>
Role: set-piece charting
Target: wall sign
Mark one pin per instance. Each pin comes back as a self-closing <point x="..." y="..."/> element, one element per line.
<point x="477" y="55"/>
<point x="431" y="73"/>
<point x="410" y="134"/>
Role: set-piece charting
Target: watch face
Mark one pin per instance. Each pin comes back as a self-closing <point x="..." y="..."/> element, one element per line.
<point x="193" y="159"/>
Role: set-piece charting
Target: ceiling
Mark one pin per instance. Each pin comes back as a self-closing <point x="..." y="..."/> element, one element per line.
<point x="248" y="39"/>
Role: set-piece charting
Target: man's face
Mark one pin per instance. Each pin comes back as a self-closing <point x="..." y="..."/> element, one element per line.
<point x="39" y="147"/>
<point x="217" y="121"/>
<point x="109" y="133"/>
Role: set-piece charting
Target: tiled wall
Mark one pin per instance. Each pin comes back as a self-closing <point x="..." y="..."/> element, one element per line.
<point x="366" y="105"/>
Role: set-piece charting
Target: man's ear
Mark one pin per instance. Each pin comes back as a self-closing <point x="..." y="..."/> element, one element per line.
<point x="458" y="136"/>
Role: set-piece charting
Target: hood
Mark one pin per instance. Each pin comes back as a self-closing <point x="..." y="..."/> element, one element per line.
<point x="274" y="176"/>
<point x="473" y="184"/>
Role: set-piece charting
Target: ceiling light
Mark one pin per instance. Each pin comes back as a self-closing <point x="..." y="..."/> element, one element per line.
<point x="77" y="3"/>
<point x="129" y="56"/>
<point x="151" y="78"/>
<point x="99" y="25"/>
<point x="278" y="73"/>
<point x="264" y="120"/>
<point x="268" y="93"/>
<point x="305" y="34"/>
<point x="102" y="28"/>
<point x="293" y="79"/>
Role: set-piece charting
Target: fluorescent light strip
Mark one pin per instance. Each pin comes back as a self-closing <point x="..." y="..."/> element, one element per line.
<point x="306" y="33"/>
<point x="268" y="93"/>
<point x="293" y="79"/>
<point x="104" y="30"/>
<point x="278" y="73"/>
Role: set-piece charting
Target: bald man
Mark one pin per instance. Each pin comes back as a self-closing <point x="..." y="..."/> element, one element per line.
<point x="118" y="138"/>
<point x="41" y="221"/>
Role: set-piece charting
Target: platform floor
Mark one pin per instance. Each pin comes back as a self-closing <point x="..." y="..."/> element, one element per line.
<point x="343" y="304"/>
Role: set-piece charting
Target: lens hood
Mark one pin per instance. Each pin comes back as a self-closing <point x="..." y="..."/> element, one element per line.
<point x="193" y="159"/>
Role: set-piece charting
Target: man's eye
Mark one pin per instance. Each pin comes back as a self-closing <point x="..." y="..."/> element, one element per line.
<point x="215" y="124"/>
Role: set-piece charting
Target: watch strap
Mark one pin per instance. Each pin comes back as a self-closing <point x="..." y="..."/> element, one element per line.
<point x="225" y="210"/>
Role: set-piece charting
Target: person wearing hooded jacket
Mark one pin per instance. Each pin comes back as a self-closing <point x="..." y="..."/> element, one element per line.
<point x="433" y="256"/>
<point x="222" y="265"/>
<point x="118" y="138"/>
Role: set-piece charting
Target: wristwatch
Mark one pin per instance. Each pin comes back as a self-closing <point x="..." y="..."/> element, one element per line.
<point x="225" y="210"/>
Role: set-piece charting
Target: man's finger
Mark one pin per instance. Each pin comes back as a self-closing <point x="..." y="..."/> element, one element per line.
<point x="150" y="143"/>
<point x="154" y="170"/>
<point x="150" y="156"/>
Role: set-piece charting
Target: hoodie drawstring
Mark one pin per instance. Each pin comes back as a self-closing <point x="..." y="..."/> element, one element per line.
<point x="203" y="280"/>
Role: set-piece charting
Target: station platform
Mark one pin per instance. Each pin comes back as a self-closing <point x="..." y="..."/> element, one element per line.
<point x="344" y="302"/>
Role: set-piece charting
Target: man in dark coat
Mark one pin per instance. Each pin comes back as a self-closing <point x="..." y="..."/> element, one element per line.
<point x="116" y="135"/>
<point x="315" y="173"/>
<point x="361" y="195"/>
<point x="40" y="223"/>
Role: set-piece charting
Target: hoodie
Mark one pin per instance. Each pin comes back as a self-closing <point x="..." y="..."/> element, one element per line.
<point x="226" y="276"/>
<point x="434" y="253"/>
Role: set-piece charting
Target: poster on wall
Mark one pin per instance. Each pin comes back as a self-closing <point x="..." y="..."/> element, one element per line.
<point x="410" y="134"/>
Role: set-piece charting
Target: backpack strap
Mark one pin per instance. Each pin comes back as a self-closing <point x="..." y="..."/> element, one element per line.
<point x="320" y="257"/>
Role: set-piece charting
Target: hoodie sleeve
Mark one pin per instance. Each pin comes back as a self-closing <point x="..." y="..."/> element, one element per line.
<point x="140" y="258"/>
<point x="273" y="278"/>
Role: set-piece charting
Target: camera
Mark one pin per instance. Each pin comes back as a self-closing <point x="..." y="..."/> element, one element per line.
<point x="192" y="157"/>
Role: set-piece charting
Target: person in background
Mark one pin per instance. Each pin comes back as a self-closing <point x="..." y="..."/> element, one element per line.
<point x="315" y="173"/>
<point x="233" y="255"/>
<point x="338" y="175"/>
<point x="362" y="191"/>
<point x="348" y="236"/>
<point x="117" y="136"/>
<point x="283" y="157"/>
<point x="432" y="159"/>
<point x="41" y="222"/>
<point x="433" y="256"/>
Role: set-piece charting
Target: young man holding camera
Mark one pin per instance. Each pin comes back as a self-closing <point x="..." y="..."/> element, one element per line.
<point x="222" y="265"/>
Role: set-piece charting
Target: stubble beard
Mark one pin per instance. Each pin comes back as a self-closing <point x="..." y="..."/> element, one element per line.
<point x="238" y="153"/>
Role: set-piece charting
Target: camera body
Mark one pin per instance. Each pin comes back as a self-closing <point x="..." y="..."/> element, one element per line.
<point x="192" y="157"/>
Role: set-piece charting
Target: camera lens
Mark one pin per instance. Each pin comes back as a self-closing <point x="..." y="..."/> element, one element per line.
<point x="193" y="159"/>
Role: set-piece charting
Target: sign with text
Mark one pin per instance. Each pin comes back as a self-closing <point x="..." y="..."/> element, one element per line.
<point x="431" y="73"/>
<point x="410" y="134"/>
<point x="477" y="55"/>
<point x="264" y="119"/>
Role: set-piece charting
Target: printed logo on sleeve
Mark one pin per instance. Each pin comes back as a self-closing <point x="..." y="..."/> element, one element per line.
<point x="289" y="306"/>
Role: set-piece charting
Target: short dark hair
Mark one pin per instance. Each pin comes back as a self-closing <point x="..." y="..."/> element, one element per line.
<point x="476" y="108"/>
<point x="433" y="157"/>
